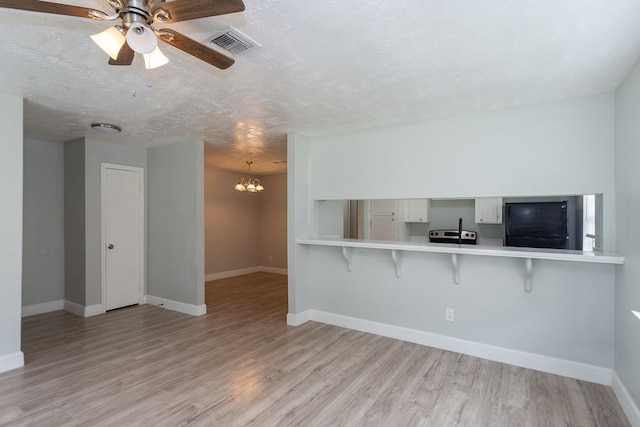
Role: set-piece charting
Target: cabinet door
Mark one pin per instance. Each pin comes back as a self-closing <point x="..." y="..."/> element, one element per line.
<point x="383" y="227"/>
<point x="383" y="207"/>
<point x="418" y="210"/>
<point x="489" y="210"/>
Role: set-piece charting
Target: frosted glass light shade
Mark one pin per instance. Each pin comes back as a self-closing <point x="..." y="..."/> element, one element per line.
<point x="154" y="59"/>
<point x="110" y="40"/>
<point x="141" y="38"/>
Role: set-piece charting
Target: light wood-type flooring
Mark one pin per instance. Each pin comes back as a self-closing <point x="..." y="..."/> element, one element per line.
<point x="242" y="365"/>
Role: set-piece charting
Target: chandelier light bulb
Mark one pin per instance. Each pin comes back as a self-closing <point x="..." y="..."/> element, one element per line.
<point x="249" y="185"/>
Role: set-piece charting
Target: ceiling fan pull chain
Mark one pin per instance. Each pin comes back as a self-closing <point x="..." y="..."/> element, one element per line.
<point x="149" y="83"/>
<point x="134" y="78"/>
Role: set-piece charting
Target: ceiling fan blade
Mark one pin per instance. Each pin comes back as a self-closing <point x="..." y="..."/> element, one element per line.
<point x="125" y="56"/>
<point x="196" y="49"/>
<point x="184" y="10"/>
<point x="48" y="7"/>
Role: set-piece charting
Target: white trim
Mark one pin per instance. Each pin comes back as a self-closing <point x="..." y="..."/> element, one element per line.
<point x="552" y="365"/>
<point x="81" y="310"/>
<point x="243" y="271"/>
<point x="629" y="407"/>
<point x="274" y="270"/>
<point x="93" y="310"/>
<point x="43" y="307"/>
<point x="298" y="319"/>
<point x="74" y="308"/>
<point x="11" y="361"/>
<point x="231" y="273"/>
<point x="103" y="243"/>
<point x="193" y="310"/>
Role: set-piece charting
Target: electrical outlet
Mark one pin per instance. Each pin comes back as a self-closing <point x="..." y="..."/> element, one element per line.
<point x="448" y="314"/>
<point x="270" y="258"/>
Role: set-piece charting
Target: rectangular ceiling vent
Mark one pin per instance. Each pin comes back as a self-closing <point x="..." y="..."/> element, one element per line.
<point x="232" y="41"/>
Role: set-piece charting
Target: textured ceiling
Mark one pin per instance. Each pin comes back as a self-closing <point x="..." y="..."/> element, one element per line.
<point x="324" y="66"/>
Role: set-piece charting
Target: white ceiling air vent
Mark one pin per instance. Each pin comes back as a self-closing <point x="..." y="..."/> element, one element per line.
<point x="232" y="41"/>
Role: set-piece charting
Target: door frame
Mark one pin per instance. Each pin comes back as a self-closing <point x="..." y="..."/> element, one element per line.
<point x="103" y="225"/>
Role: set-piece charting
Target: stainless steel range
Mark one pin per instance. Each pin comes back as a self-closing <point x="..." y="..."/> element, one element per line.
<point x="460" y="236"/>
<point x="452" y="236"/>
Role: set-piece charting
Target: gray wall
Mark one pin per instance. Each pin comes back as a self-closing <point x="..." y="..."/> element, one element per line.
<point x="569" y="314"/>
<point x="43" y="234"/>
<point x="82" y="215"/>
<point x="243" y="230"/>
<point x="11" y="157"/>
<point x="273" y="221"/>
<point x="74" y="221"/>
<point x="175" y="223"/>
<point x="96" y="153"/>
<point x="627" y="326"/>
<point x="232" y="223"/>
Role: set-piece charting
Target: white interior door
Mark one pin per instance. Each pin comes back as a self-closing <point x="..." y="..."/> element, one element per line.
<point x="122" y="236"/>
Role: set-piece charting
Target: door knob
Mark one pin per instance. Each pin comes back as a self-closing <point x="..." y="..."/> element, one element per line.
<point x="110" y="246"/>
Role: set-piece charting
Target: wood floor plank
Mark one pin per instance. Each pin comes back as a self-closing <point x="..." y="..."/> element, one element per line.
<point x="241" y="365"/>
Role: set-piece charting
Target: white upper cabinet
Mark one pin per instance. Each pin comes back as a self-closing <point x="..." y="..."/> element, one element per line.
<point x="418" y="210"/>
<point x="489" y="210"/>
<point x="383" y="207"/>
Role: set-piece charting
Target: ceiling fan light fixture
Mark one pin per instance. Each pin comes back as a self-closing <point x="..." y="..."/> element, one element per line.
<point x="141" y="38"/>
<point x="110" y="40"/>
<point x="155" y="59"/>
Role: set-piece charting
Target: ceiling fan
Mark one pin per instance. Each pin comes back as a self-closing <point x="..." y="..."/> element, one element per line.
<point x="136" y="25"/>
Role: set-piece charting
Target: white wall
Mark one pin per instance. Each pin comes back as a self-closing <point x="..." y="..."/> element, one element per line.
<point x="627" y="326"/>
<point x="175" y="225"/>
<point x="299" y="222"/>
<point x="11" y="160"/>
<point x="43" y="236"/>
<point x="560" y="148"/>
<point x="557" y="148"/>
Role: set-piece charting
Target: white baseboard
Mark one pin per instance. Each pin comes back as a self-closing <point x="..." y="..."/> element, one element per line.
<point x="231" y="273"/>
<point x="11" y="361"/>
<point x="567" y="368"/>
<point x="274" y="270"/>
<point x="297" y="319"/>
<point x="193" y="310"/>
<point x="81" y="310"/>
<point x="43" y="307"/>
<point x="93" y="310"/>
<point x="243" y="271"/>
<point x="74" y="308"/>
<point x="629" y="407"/>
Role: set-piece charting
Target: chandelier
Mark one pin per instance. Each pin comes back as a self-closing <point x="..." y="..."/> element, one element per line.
<point x="251" y="185"/>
